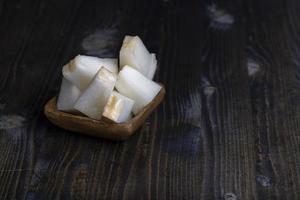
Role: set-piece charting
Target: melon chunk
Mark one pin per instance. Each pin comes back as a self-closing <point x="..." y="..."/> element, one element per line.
<point x="136" y="86"/>
<point x="118" y="108"/>
<point x="81" y="70"/>
<point x="95" y="97"/>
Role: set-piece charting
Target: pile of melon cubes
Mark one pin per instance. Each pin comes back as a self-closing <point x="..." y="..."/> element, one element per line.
<point x="99" y="87"/>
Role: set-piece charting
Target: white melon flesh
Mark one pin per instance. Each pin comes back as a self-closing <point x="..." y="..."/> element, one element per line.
<point x="136" y="86"/>
<point x="134" y="53"/>
<point x="81" y="70"/>
<point x="95" y="97"/>
<point x="67" y="97"/>
<point x="152" y="66"/>
<point x="118" y="108"/>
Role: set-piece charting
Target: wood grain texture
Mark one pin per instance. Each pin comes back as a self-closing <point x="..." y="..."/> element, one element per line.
<point x="229" y="125"/>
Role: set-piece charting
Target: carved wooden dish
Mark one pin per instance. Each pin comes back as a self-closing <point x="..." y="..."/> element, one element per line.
<point x="100" y="128"/>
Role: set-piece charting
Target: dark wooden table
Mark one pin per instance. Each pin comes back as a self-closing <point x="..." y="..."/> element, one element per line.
<point x="229" y="127"/>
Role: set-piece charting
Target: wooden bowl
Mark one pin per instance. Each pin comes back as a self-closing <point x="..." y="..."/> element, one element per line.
<point x="100" y="128"/>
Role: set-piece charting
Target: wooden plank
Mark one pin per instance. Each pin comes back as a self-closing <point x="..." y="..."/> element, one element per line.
<point x="274" y="98"/>
<point x="226" y="105"/>
<point x="229" y="125"/>
<point x="31" y="47"/>
<point x="178" y="152"/>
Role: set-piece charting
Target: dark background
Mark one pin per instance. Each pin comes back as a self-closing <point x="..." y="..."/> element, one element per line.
<point x="227" y="129"/>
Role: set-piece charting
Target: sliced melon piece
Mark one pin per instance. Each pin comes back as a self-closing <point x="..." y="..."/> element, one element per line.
<point x="134" y="53"/>
<point x="95" y="97"/>
<point x="118" y="108"/>
<point x="136" y="86"/>
<point x="152" y="66"/>
<point x="67" y="97"/>
<point x="81" y="70"/>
